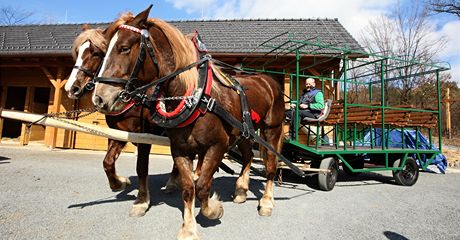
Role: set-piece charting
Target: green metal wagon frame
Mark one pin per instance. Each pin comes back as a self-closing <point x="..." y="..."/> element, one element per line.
<point x="373" y="72"/>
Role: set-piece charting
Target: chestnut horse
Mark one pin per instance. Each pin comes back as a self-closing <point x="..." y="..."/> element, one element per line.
<point x="88" y="50"/>
<point x="208" y="136"/>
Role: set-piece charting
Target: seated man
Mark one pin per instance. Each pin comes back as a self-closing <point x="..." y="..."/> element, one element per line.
<point x="310" y="103"/>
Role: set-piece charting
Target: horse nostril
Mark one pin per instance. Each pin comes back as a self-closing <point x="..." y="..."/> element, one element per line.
<point x="98" y="102"/>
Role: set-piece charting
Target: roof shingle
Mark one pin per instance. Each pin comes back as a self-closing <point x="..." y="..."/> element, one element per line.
<point x="220" y="36"/>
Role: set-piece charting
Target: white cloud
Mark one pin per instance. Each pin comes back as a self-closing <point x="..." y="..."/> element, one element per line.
<point x="191" y="6"/>
<point x="452" y="32"/>
<point x="353" y="14"/>
<point x="451" y="53"/>
<point x="455" y="70"/>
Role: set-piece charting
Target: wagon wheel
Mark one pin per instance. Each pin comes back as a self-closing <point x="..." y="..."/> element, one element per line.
<point x="357" y="163"/>
<point x="408" y="175"/>
<point x="326" y="180"/>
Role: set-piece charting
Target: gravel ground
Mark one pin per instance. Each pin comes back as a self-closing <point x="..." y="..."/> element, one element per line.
<point x="64" y="194"/>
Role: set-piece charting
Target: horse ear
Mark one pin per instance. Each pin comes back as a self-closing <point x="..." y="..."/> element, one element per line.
<point x="85" y="27"/>
<point x="141" y="18"/>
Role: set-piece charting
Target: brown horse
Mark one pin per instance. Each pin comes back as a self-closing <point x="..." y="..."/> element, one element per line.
<point x="88" y="50"/>
<point x="208" y="136"/>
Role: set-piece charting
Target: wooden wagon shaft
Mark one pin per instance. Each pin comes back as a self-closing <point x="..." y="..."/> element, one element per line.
<point x="86" y="128"/>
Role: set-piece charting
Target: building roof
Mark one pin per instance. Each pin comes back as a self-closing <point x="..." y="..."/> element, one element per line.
<point x="220" y="36"/>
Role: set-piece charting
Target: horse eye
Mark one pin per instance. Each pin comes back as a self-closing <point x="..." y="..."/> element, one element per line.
<point x="125" y="50"/>
<point x="96" y="55"/>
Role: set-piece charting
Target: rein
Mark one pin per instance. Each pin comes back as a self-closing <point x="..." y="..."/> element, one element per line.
<point x="199" y="102"/>
<point x="130" y="93"/>
<point x="89" y="86"/>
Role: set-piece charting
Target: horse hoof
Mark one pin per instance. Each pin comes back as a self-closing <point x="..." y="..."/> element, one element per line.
<point x="139" y="210"/>
<point x="216" y="213"/>
<point x="121" y="184"/>
<point x="240" y="196"/>
<point x="188" y="234"/>
<point x="266" y="206"/>
<point x="214" y="210"/>
<point x="265" y="212"/>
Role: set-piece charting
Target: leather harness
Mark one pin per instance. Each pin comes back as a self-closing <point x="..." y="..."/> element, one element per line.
<point x="200" y="100"/>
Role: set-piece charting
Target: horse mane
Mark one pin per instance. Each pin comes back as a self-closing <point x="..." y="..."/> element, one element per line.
<point x="95" y="36"/>
<point x="183" y="50"/>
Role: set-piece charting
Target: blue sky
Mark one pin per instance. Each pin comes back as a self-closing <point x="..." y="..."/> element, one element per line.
<point x="94" y="11"/>
<point x="353" y="14"/>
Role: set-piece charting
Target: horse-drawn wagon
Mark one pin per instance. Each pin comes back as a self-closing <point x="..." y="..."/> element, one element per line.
<point x="149" y="75"/>
<point x="364" y="132"/>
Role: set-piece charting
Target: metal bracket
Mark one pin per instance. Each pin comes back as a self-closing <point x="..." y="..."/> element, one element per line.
<point x="211" y="103"/>
<point x="124" y="96"/>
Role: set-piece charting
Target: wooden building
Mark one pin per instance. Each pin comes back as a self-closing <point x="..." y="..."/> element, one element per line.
<point x="35" y="61"/>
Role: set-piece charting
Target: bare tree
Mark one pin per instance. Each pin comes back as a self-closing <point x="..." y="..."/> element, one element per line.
<point x="408" y="35"/>
<point x="11" y="16"/>
<point x="445" y="6"/>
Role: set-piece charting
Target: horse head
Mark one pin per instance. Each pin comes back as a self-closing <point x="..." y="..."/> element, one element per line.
<point x="88" y="50"/>
<point x="139" y="53"/>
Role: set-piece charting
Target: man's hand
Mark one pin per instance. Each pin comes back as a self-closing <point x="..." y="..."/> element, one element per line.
<point x="292" y="105"/>
<point x="304" y="106"/>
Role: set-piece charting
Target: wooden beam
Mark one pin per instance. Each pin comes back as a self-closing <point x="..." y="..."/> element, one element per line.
<point x="336" y="75"/>
<point x="87" y="128"/>
<point x="60" y="76"/>
<point x="25" y="131"/>
<point x="57" y="83"/>
<point x="448" y="121"/>
<point x="47" y="74"/>
<point x="59" y="73"/>
<point x="36" y="62"/>
<point x="2" y="105"/>
<point x="56" y="108"/>
<point x="451" y="100"/>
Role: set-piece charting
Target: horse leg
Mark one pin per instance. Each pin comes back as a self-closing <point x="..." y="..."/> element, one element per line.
<point x="197" y="172"/>
<point x="274" y="137"/>
<point x="142" y="202"/>
<point x="242" y="183"/>
<point x="185" y="169"/>
<point x="116" y="183"/>
<point x="172" y="184"/>
<point x="211" y="207"/>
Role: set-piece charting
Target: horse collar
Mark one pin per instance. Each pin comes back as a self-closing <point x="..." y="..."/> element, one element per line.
<point x="191" y="106"/>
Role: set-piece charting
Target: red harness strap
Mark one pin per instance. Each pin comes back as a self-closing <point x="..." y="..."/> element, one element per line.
<point x="177" y="109"/>
<point x="125" y="109"/>
<point x="207" y="91"/>
<point x="255" y="116"/>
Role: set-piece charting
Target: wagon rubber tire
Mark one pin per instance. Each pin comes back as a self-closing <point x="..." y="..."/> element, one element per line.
<point x="409" y="175"/>
<point x="327" y="180"/>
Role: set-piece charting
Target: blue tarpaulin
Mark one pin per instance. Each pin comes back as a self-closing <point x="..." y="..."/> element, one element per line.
<point x="438" y="164"/>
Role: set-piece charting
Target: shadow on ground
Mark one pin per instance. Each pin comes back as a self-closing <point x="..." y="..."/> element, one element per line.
<point x="343" y="180"/>
<point x="4" y="160"/>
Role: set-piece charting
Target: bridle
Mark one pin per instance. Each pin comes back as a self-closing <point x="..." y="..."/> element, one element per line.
<point x="89" y="86"/>
<point x="130" y="92"/>
<point x="126" y="94"/>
